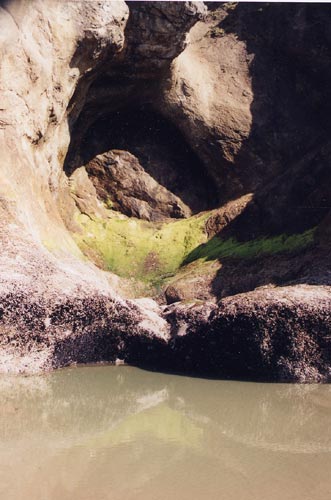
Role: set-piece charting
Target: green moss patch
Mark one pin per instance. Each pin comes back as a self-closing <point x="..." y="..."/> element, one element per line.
<point x="151" y="253"/>
<point x="217" y="248"/>
<point x="144" y="250"/>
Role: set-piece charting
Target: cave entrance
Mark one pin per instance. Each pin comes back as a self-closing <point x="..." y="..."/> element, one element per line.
<point x="142" y="165"/>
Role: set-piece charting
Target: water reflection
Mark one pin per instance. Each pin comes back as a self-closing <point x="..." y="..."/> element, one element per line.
<point x="123" y="433"/>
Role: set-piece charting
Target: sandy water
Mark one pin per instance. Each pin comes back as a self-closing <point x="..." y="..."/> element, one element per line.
<point x="121" y="433"/>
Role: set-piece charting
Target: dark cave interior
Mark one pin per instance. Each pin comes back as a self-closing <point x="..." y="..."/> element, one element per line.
<point x="160" y="148"/>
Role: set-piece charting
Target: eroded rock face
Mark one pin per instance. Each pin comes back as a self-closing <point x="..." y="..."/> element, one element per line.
<point x="272" y="334"/>
<point x="238" y="85"/>
<point x="47" y="48"/>
<point x="154" y="36"/>
<point x="157" y="33"/>
<point x="160" y="148"/>
<point x="122" y="183"/>
<point x="249" y="97"/>
<point x="50" y="54"/>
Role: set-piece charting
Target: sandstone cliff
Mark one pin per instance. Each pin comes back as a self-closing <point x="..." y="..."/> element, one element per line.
<point x="164" y="188"/>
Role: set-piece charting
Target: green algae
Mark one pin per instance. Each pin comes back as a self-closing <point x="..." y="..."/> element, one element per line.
<point x="217" y="248"/>
<point x="151" y="253"/>
<point x="143" y="250"/>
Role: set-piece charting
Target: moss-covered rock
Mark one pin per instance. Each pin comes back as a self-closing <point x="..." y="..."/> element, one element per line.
<point x="134" y="248"/>
<point x="217" y="248"/>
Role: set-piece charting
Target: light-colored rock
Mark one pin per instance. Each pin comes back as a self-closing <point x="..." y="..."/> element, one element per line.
<point x="56" y="307"/>
<point x="41" y="67"/>
<point x="210" y="95"/>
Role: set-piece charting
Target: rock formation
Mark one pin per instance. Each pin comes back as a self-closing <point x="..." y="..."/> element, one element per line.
<point x="122" y="182"/>
<point x="164" y="188"/>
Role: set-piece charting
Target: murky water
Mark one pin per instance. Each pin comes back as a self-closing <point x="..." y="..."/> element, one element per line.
<point x="99" y="433"/>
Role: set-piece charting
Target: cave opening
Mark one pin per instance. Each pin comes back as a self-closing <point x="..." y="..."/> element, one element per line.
<point x="140" y="161"/>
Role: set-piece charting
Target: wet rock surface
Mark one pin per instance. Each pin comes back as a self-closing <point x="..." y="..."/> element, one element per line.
<point x="268" y="334"/>
<point x="244" y="89"/>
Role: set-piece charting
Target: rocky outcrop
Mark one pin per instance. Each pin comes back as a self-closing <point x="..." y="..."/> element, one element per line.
<point x="224" y="110"/>
<point x="49" y="53"/>
<point x="267" y="334"/>
<point x="122" y="183"/>
<point x="270" y="106"/>
<point x="154" y="36"/>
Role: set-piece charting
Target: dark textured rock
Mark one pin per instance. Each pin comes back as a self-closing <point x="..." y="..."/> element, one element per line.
<point x="276" y="334"/>
<point x="161" y="149"/>
<point x="156" y="34"/>
<point x="271" y="334"/>
<point x="122" y="183"/>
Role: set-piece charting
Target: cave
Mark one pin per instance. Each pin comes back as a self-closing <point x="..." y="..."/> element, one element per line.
<point x="172" y="180"/>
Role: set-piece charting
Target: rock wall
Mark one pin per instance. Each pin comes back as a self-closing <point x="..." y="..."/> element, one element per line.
<point x="247" y="90"/>
<point x="49" y="50"/>
<point x="42" y="62"/>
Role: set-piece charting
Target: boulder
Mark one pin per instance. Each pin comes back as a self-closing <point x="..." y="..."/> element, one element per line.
<point x="123" y="184"/>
